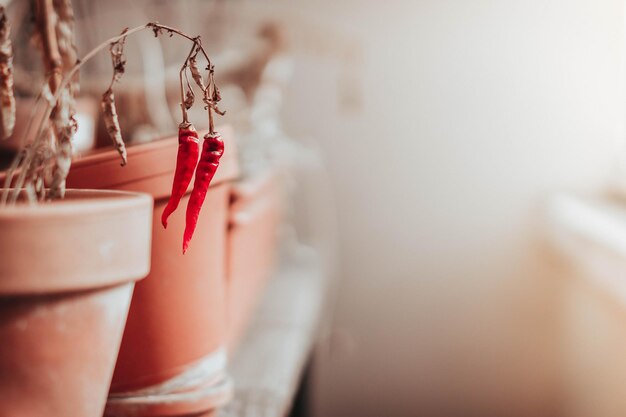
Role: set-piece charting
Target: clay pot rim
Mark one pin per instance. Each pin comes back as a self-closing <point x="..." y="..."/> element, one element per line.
<point x="76" y="202"/>
<point x="69" y="235"/>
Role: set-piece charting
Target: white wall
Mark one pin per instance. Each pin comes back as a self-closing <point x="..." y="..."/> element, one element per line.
<point x="473" y="111"/>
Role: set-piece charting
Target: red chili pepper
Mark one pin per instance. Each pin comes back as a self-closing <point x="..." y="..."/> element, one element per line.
<point x="188" y="150"/>
<point x="212" y="151"/>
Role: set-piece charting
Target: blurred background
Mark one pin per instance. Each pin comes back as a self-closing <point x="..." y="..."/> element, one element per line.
<point x="462" y="164"/>
<point x="467" y="117"/>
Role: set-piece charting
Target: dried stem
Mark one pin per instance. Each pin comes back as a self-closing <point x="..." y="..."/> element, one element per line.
<point x="52" y="56"/>
<point x="24" y="160"/>
<point x="211" y="98"/>
<point x="7" y="99"/>
<point x="10" y="174"/>
<point x="35" y="173"/>
<point x="158" y="28"/>
<point x="57" y="33"/>
<point x="65" y="35"/>
<point x="211" y="121"/>
<point x="188" y="97"/>
<point x="64" y="118"/>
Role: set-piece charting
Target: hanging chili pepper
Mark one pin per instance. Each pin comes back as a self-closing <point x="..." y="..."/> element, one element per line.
<point x="188" y="150"/>
<point x="212" y="151"/>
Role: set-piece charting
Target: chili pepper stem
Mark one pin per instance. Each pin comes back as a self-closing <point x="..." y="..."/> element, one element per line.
<point x="182" y="98"/>
<point x="211" y="122"/>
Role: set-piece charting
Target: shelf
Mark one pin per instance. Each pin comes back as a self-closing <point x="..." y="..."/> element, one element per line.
<point x="273" y="353"/>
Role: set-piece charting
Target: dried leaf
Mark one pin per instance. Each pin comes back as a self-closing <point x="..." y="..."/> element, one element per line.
<point x="55" y="24"/>
<point x="216" y="94"/>
<point x="117" y="58"/>
<point x="48" y="169"/>
<point x="63" y="161"/>
<point x="109" y="111"/>
<point x="64" y="29"/>
<point x="195" y="72"/>
<point x="216" y="109"/>
<point x="112" y="123"/>
<point x="189" y="99"/>
<point x="7" y="99"/>
<point x="65" y="32"/>
<point x="64" y="126"/>
<point x="42" y="163"/>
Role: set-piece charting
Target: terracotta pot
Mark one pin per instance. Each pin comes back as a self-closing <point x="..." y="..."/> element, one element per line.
<point x="67" y="271"/>
<point x="255" y="213"/>
<point x="86" y="115"/>
<point x="174" y="341"/>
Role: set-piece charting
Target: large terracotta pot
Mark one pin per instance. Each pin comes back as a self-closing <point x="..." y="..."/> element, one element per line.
<point x="173" y="357"/>
<point x="67" y="271"/>
<point x="255" y="214"/>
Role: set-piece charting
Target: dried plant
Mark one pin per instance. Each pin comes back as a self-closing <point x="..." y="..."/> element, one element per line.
<point x="64" y="29"/>
<point x="47" y="160"/>
<point x="55" y="23"/>
<point x="7" y="99"/>
<point x="107" y="103"/>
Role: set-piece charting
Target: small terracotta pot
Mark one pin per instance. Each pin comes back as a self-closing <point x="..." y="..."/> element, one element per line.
<point x="86" y="115"/>
<point x="173" y="355"/>
<point x="255" y="213"/>
<point x="67" y="271"/>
